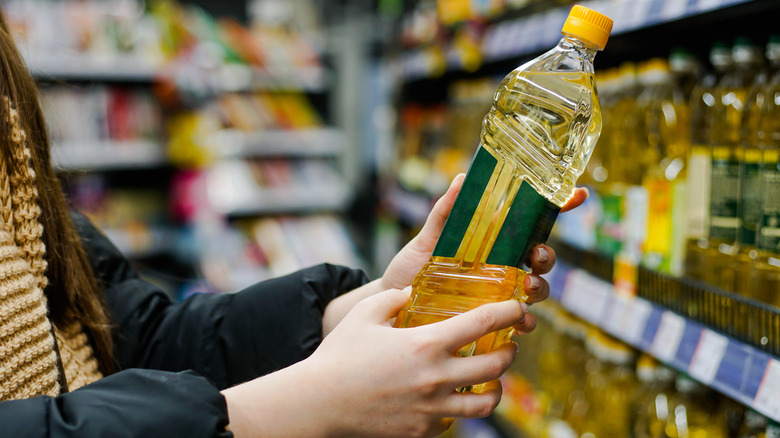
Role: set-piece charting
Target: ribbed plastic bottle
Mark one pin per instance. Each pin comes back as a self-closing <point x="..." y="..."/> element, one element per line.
<point x="536" y="140"/>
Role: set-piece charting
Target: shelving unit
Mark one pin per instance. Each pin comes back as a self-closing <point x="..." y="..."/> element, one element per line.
<point x="513" y="38"/>
<point x="727" y="342"/>
<point x="108" y="155"/>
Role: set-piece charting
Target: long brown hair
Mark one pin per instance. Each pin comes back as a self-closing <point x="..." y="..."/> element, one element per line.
<point x="72" y="290"/>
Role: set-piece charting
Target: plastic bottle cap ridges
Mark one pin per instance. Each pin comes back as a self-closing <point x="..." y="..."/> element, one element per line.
<point x="589" y="25"/>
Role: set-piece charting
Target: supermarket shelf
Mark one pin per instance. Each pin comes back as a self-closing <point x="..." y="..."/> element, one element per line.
<point x="79" y="67"/>
<point x="232" y="190"/>
<point x="240" y="77"/>
<point x="108" y="155"/>
<point x="313" y="143"/>
<point x="285" y="201"/>
<point x="735" y="368"/>
<point x="527" y="35"/>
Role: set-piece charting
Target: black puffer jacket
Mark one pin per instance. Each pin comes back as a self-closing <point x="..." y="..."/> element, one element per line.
<point x="176" y="357"/>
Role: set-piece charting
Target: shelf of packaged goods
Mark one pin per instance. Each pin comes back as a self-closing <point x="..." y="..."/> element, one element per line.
<point x="141" y="241"/>
<point x="232" y="189"/>
<point x="89" y="67"/>
<point x="524" y="36"/>
<point x="727" y="342"/>
<point x="313" y="143"/>
<point x="242" y="77"/>
<point x="108" y="155"/>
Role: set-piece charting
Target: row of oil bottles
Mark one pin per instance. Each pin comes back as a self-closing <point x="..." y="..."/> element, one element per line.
<point x="687" y="170"/>
<point x="572" y="380"/>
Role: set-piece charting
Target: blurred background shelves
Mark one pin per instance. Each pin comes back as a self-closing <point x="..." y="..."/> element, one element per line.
<point x="311" y="142"/>
<point x="91" y="68"/>
<point x="505" y="37"/>
<point x="108" y="155"/>
<point x="241" y="188"/>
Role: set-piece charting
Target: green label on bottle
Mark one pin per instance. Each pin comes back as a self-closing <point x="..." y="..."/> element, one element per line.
<point x="750" y="207"/>
<point x="528" y="223"/>
<point x="465" y="206"/>
<point x="724" y="196"/>
<point x="769" y="227"/>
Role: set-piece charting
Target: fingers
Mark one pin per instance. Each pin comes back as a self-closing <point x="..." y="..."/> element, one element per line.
<point x="542" y="259"/>
<point x="473" y="405"/>
<point x="527" y="325"/>
<point x="473" y="370"/>
<point x="536" y="288"/>
<point x="469" y="326"/>
<point x="384" y="305"/>
<point x="579" y="196"/>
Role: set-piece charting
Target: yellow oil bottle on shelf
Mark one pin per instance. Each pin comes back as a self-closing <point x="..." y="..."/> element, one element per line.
<point x="536" y="140"/>
<point x="750" y="185"/>
<point x="766" y="268"/>
<point x="730" y="100"/>
<point x="700" y="161"/>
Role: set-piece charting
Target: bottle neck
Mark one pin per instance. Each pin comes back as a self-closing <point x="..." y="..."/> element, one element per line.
<point x="584" y="47"/>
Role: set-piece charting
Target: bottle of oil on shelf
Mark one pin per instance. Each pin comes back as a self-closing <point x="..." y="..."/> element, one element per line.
<point x="618" y="151"/>
<point x="750" y="186"/>
<point x="699" y="162"/>
<point x="730" y="99"/>
<point x="536" y="140"/>
<point x="766" y="268"/>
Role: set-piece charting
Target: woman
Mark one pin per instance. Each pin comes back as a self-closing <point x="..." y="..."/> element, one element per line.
<point x="88" y="349"/>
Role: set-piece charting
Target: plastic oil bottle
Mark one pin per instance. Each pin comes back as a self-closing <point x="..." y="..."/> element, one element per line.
<point x="766" y="268"/>
<point x="730" y="100"/>
<point x="674" y="123"/>
<point x="657" y="81"/>
<point x="622" y="170"/>
<point x="750" y="165"/>
<point x="536" y="140"/>
<point x="700" y="161"/>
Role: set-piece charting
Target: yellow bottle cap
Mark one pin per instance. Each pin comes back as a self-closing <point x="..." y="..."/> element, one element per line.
<point x="588" y="25"/>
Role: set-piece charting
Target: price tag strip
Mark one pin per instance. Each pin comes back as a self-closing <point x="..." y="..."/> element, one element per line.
<point x="733" y="368"/>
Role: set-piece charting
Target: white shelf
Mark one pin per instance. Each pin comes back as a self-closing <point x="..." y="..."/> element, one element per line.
<point x="531" y="34"/>
<point x="731" y="367"/>
<point x="232" y="190"/>
<point x="241" y="77"/>
<point x="315" y="142"/>
<point x="129" y="68"/>
<point x="108" y="155"/>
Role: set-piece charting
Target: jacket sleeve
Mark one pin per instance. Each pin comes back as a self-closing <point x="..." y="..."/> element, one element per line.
<point x="228" y="338"/>
<point x="128" y="404"/>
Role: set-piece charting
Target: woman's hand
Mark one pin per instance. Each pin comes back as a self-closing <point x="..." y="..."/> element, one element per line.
<point x="370" y="379"/>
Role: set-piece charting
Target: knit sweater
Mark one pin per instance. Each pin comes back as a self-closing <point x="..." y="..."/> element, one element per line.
<point x="29" y="343"/>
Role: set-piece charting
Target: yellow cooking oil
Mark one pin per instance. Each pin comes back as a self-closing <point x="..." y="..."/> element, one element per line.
<point x="536" y="140"/>
<point x="702" y="103"/>
<point x="731" y="98"/>
<point x="766" y="268"/>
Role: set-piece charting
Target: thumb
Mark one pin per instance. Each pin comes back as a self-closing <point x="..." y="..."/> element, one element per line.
<point x="435" y="222"/>
<point x="385" y="305"/>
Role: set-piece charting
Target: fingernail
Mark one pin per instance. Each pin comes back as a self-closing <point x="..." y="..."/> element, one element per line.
<point x="407" y="289"/>
<point x="533" y="282"/>
<point x="524" y="307"/>
<point x="542" y="255"/>
<point x="517" y="347"/>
